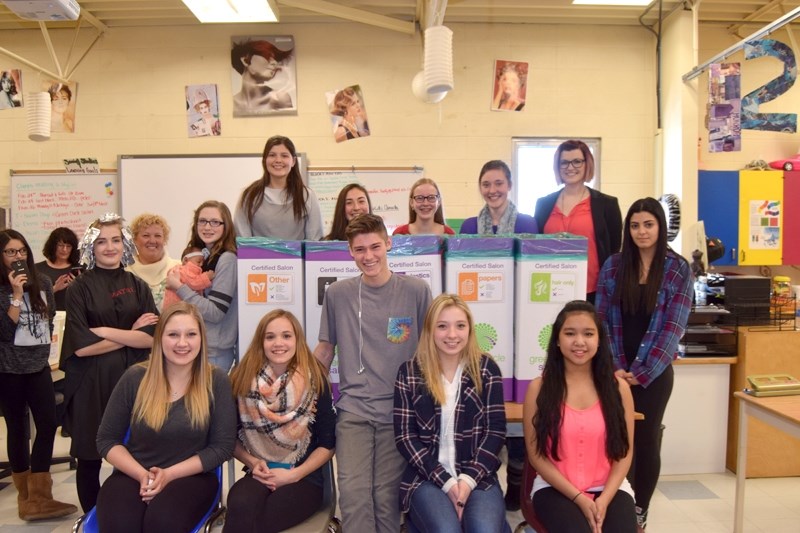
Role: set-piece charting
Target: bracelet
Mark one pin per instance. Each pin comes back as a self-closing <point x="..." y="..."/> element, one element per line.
<point x="576" y="496"/>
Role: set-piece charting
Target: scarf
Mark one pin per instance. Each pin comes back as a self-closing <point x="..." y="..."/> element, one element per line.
<point x="275" y="416"/>
<point x="506" y="224"/>
<point x="155" y="275"/>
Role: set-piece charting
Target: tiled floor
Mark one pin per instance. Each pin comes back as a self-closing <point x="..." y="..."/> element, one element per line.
<point x="682" y="504"/>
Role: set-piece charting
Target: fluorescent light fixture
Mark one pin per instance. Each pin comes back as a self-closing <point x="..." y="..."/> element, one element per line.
<point x="233" y="10"/>
<point x="607" y="2"/>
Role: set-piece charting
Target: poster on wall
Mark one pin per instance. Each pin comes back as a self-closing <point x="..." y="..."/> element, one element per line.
<point x="10" y="89"/>
<point x="510" y="85"/>
<point x="263" y="75"/>
<point x="348" y="113"/>
<point x="63" y="100"/>
<point x="765" y="229"/>
<point x="751" y="118"/>
<point x="724" y="108"/>
<point x="202" y="110"/>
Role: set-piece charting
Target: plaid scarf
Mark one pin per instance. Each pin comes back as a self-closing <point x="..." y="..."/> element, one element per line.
<point x="506" y="224"/>
<point x="275" y="416"/>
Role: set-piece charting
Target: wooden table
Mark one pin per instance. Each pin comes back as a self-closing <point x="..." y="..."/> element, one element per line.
<point x="780" y="412"/>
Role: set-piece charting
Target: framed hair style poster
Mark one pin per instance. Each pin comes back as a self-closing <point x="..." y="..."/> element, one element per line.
<point x="263" y="75"/>
<point x="510" y="85"/>
<point x="348" y="113"/>
<point x="202" y="110"/>
<point x="10" y="89"/>
<point x="63" y="98"/>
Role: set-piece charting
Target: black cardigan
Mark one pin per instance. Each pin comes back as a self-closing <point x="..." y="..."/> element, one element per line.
<point x="606" y="218"/>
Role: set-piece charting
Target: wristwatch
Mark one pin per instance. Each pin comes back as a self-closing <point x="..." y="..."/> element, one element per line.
<point x="16" y="303"/>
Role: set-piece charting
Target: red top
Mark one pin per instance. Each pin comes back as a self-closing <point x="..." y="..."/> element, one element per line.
<point x="578" y="222"/>
<point x="582" y="447"/>
<point x="403" y="230"/>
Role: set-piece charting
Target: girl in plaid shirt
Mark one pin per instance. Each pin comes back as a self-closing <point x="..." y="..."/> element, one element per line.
<point x="450" y="424"/>
<point x="644" y="298"/>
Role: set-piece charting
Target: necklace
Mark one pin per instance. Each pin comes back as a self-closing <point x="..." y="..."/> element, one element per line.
<point x="351" y="127"/>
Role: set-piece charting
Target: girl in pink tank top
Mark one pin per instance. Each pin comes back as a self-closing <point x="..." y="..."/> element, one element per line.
<point x="578" y="424"/>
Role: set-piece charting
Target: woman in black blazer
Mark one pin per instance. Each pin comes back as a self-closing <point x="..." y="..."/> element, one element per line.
<point x="581" y="210"/>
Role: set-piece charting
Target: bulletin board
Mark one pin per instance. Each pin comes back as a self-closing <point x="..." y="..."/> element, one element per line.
<point x="174" y="185"/>
<point x="44" y="200"/>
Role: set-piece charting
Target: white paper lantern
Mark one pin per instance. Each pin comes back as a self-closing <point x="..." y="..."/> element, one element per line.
<point x="38" y="116"/>
<point x="418" y="89"/>
<point x="438" y="59"/>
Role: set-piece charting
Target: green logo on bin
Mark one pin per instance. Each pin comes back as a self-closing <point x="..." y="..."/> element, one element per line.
<point x="540" y="287"/>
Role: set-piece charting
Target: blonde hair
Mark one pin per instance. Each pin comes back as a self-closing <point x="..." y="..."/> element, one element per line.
<point x="145" y="220"/>
<point x="427" y="356"/>
<point x="153" y="397"/>
<point x="303" y="363"/>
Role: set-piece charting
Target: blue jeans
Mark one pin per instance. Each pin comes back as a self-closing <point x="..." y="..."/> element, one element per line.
<point x="222" y="358"/>
<point x="432" y="511"/>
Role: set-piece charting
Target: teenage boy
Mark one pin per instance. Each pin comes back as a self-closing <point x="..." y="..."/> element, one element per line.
<point x="374" y="320"/>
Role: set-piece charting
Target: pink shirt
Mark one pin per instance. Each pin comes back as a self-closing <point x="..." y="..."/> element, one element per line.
<point x="582" y="447"/>
<point x="578" y="222"/>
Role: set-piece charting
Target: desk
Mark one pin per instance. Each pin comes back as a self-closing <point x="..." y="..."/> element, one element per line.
<point x="780" y="412"/>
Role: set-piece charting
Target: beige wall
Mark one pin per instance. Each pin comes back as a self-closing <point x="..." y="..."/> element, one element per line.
<point x="584" y="81"/>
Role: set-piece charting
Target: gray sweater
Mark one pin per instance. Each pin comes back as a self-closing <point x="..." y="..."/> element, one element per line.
<point x="277" y="220"/>
<point x="176" y="441"/>
<point x="218" y="305"/>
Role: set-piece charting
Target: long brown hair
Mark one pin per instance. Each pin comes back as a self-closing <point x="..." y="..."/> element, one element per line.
<point x="253" y="195"/>
<point x="33" y="286"/>
<point x="153" y="402"/>
<point x="303" y="363"/>
<point x="226" y="243"/>
<point x="340" y="222"/>
<point x="427" y="355"/>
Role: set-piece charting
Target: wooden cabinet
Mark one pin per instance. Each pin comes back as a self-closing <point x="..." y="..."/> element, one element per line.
<point x="770" y="452"/>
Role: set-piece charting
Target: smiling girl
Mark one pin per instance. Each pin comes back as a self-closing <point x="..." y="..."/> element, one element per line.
<point x="110" y="320"/>
<point x="450" y="424"/>
<point x="287" y="429"/>
<point x="212" y="230"/>
<point x="425" y="211"/>
<point x="499" y="215"/>
<point x="578" y="427"/>
<point x="353" y="200"/>
<point x="279" y="205"/>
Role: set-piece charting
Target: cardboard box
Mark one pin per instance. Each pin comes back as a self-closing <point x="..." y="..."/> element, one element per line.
<point x="270" y="276"/>
<point x="326" y="262"/>
<point x="481" y="271"/>
<point x="550" y="271"/>
<point x="419" y="256"/>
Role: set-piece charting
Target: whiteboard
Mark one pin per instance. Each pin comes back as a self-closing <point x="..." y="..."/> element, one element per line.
<point x="41" y="202"/>
<point x="388" y="191"/>
<point x="174" y="185"/>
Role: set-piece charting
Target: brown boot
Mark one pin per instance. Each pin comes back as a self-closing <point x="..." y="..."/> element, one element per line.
<point x="41" y="504"/>
<point x="21" y="482"/>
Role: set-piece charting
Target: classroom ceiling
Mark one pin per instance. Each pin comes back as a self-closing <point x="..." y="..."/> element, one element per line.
<point x="742" y="16"/>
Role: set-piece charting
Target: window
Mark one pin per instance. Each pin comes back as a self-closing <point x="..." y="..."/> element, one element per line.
<point x="533" y="168"/>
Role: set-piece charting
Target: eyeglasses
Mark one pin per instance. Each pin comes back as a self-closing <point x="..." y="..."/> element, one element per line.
<point x="11" y="252"/>
<point x="431" y="198"/>
<point x="576" y="163"/>
<point x="205" y="222"/>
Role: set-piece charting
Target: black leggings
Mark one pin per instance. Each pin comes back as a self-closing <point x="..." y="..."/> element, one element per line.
<point x="178" y="508"/>
<point x="34" y="391"/>
<point x="87" y="481"/>
<point x="559" y="515"/>
<point x="253" y="508"/>
<point x="646" y="466"/>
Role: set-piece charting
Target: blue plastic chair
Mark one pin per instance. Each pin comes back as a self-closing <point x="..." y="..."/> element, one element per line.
<point x="89" y="520"/>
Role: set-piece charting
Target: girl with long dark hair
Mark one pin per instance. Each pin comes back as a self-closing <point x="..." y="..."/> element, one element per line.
<point x="644" y="298"/>
<point x="26" y="323"/>
<point x="353" y="200"/>
<point x="279" y="205"/>
<point x="578" y="426"/>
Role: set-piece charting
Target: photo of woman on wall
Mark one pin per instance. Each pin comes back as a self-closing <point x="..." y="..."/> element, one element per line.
<point x="348" y="113"/>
